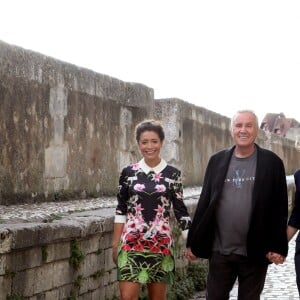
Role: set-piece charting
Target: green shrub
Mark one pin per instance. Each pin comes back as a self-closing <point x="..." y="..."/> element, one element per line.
<point x="14" y="297"/>
<point x="77" y="256"/>
<point x="198" y="273"/>
<point x="187" y="282"/>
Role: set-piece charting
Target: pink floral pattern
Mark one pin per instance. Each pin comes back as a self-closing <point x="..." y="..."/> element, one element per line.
<point x="139" y="187"/>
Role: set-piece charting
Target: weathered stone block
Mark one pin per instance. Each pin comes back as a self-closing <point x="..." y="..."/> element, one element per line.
<point x="57" y="251"/>
<point x="98" y="294"/>
<point x="4" y="264"/>
<point x="5" y="287"/>
<point x="92" y="264"/>
<point x="62" y="273"/>
<point x="92" y="244"/>
<point x="44" y="278"/>
<point x="109" y="263"/>
<point x="24" y="283"/>
<point x="5" y="240"/>
<point x="26" y="259"/>
<point x="111" y="291"/>
<point x="51" y="295"/>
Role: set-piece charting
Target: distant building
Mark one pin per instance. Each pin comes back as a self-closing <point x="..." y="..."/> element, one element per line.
<point x="279" y="124"/>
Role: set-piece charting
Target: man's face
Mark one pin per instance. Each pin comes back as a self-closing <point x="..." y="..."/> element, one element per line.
<point x="244" y="129"/>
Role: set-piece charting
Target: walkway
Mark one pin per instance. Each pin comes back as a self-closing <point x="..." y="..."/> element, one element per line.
<point x="280" y="282"/>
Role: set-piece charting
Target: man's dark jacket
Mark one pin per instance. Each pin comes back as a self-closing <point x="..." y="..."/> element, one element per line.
<point x="267" y="229"/>
<point x="294" y="220"/>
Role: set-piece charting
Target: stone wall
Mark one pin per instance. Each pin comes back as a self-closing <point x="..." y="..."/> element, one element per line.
<point x="66" y="132"/>
<point x="195" y="133"/>
<point x="69" y="258"/>
<point x="60" y="259"/>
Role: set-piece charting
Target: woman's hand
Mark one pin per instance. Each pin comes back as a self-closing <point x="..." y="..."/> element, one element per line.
<point x="115" y="254"/>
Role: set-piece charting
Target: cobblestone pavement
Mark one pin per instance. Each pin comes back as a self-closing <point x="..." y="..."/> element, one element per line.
<point x="280" y="282"/>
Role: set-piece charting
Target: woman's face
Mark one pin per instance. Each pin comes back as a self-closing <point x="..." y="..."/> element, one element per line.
<point x="150" y="145"/>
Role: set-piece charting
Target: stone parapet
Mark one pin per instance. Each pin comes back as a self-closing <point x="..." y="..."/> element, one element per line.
<point x="62" y="253"/>
<point x="66" y="257"/>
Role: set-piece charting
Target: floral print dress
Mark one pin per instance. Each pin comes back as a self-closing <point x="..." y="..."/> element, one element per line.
<point x="145" y="198"/>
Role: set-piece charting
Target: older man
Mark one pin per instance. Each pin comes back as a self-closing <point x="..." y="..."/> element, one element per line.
<point x="241" y="218"/>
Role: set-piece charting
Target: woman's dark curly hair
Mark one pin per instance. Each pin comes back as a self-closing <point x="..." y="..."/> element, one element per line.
<point x="149" y="125"/>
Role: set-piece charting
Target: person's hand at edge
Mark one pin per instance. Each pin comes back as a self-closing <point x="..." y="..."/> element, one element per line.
<point x="189" y="254"/>
<point x="275" y="258"/>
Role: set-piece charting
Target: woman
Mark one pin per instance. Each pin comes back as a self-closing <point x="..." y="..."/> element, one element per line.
<point x="143" y="242"/>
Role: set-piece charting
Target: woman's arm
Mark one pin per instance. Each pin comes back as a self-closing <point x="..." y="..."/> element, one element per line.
<point x="120" y="215"/>
<point x="118" y="228"/>
<point x="180" y="210"/>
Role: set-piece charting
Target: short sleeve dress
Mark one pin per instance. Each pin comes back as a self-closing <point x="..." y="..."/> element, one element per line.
<point x="145" y="198"/>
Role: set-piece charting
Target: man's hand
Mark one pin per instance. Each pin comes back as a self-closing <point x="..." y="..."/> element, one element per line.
<point x="275" y="258"/>
<point x="189" y="254"/>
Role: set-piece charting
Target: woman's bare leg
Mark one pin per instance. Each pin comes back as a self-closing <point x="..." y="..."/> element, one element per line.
<point x="129" y="290"/>
<point x="157" y="291"/>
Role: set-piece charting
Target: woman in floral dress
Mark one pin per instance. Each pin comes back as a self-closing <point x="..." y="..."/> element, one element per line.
<point x="143" y="246"/>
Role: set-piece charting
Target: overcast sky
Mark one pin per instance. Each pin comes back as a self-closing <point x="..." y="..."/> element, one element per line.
<point x="221" y="55"/>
